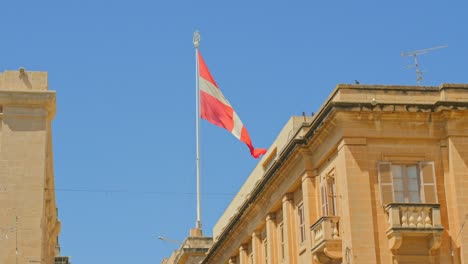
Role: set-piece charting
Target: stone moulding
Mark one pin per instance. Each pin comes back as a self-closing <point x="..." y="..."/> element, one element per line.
<point x="38" y="99"/>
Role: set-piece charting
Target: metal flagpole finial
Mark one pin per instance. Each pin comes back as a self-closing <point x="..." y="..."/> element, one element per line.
<point x="196" y="39"/>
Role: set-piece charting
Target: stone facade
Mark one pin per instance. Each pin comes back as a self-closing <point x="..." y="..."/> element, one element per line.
<point x="378" y="175"/>
<point x="192" y="250"/>
<point x="28" y="212"/>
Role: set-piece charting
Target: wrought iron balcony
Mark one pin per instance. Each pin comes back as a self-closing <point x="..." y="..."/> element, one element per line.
<point x="415" y="220"/>
<point x="326" y="240"/>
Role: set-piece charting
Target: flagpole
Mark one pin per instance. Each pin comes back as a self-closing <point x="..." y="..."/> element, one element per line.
<point x="196" y="43"/>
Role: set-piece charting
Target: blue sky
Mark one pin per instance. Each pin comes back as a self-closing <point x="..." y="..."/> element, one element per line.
<point x="124" y="72"/>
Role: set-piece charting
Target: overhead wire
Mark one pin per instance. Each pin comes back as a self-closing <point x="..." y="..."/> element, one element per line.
<point x="143" y="192"/>
<point x="126" y="191"/>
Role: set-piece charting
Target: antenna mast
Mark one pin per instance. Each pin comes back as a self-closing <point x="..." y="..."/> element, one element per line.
<point x="415" y="54"/>
<point x="170" y="240"/>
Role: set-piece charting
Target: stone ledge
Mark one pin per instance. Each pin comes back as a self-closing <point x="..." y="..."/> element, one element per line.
<point x="23" y="80"/>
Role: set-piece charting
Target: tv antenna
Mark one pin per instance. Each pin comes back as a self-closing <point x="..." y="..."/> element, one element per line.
<point x="415" y="54"/>
<point x="170" y="240"/>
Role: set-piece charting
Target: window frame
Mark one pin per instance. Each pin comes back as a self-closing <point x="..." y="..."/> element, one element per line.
<point x="405" y="178"/>
<point x="422" y="184"/>
<point x="301" y="223"/>
<point x="282" y="242"/>
<point x="328" y="194"/>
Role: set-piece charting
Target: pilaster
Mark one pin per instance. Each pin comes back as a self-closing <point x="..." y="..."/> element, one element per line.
<point x="456" y="188"/>
<point x="243" y="256"/>
<point x="310" y="214"/>
<point x="357" y="212"/>
<point x="289" y="229"/>
<point x="272" y="238"/>
<point x="257" y="246"/>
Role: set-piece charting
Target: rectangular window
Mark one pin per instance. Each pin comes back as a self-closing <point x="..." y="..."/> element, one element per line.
<point x="302" y="228"/>
<point x="328" y="194"/>
<point x="407" y="182"/>
<point x="281" y="231"/>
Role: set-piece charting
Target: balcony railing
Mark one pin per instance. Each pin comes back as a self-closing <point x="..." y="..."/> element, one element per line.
<point x="326" y="240"/>
<point x="413" y="216"/>
<point x="409" y="219"/>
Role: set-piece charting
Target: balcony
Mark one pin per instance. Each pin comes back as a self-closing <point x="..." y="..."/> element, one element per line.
<point x="414" y="220"/>
<point x="326" y="240"/>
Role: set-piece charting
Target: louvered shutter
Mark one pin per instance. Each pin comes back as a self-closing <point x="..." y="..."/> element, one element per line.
<point x="385" y="182"/>
<point x="428" y="182"/>
<point x="323" y="192"/>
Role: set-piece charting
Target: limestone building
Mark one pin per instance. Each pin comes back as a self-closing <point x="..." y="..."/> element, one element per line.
<point x="378" y="175"/>
<point x="192" y="250"/>
<point x="29" y="226"/>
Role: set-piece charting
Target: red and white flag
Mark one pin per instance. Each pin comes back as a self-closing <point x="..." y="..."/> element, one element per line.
<point x="216" y="109"/>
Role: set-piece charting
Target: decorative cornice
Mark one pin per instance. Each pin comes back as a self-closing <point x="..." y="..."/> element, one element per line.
<point x="34" y="99"/>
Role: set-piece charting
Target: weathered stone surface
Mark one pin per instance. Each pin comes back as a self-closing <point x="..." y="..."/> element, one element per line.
<point x="27" y="198"/>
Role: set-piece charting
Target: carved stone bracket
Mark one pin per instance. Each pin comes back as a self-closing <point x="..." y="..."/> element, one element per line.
<point x="435" y="241"/>
<point x="321" y="257"/>
<point x="394" y="241"/>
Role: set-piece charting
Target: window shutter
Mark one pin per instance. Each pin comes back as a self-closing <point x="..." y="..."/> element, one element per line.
<point x="331" y="195"/>
<point x="428" y="182"/>
<point x="323" y="192"/>
<point x="385" y="182"/>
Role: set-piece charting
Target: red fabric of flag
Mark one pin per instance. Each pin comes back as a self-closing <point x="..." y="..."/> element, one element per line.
<point x="217" y="110"/>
